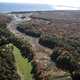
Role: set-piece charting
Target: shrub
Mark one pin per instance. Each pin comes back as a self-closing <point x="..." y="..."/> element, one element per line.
<point x="48" y="41"/>
<point x="24" y="46"/>
<point x="33" y="33"/>
<point x="29" y="29"/>
<point x="4" y="34"/>
<point x="66" y="59"/>
<point x="4" y="19"/>
<point x="7" y="64"/>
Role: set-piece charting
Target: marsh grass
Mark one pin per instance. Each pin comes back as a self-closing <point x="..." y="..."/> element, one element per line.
<point x="23" y="66"/>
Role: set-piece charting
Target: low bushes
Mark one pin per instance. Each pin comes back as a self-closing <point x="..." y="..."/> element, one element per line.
<point x="53" y="41"/>
<point x="7" y="64"/>
<point x="29" y="32"/>
<point x="3" y="40"/>
<point x="20" y="29"/>
<point x="66" y="59"/>
<point x="48" y="41"/>
<point x="29" y="29"/>
<point x="4" y="19"/>
<point x="24" y="46"/>
<point x="7" y="61"/>
<point x="4" y="34"/>
<point x="33" y="33"/>
<point x="39" y="71"/>
<point x="8" y="37"/>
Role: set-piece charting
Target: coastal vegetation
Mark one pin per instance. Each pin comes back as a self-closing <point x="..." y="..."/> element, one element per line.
<point x="35" y="50"/>
<point x="15" y="56"/>
<point x="23" y="66"/>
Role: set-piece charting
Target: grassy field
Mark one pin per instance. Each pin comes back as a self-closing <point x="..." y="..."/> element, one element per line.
<point x="23" y="66"/>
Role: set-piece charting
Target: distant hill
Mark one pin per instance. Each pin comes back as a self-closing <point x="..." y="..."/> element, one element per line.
<point x="4" y="7"/>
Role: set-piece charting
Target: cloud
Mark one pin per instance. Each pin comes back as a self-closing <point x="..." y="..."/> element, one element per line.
<point x="29" y="1"/>
<point x="65" y="4"/>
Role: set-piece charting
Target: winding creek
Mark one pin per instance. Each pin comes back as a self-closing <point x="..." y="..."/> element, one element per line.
<point x="41" y="53"/>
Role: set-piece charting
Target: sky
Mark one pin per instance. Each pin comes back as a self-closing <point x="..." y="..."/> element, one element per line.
<point x="60" y="4"/>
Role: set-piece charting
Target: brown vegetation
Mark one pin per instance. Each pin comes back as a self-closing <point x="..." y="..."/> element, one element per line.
<point x="4" y="19"/>
<point x="58" y="31"/>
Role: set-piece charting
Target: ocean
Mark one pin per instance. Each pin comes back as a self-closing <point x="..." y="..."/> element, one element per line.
<point x="10" y="7"/>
